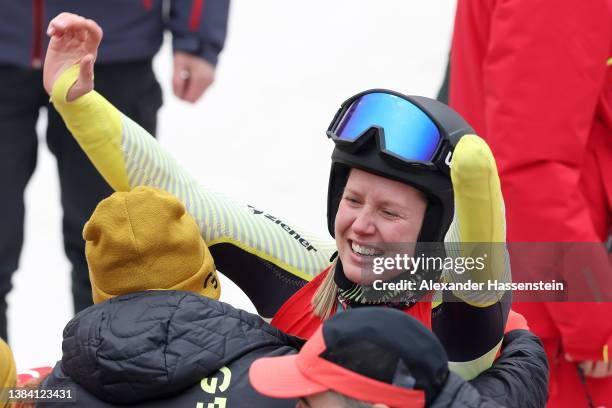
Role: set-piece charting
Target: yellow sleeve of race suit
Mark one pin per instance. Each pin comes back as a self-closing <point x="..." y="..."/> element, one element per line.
<point x="478" y="197"/>
<point x="479" y="225"/>
<point x="268" y="257"/>
<point x="96" y="124"/>
<point x="478" y="230"/>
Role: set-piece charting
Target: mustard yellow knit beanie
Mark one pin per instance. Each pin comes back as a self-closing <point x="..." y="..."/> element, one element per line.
<point x="8" y="371"/>
<point x="145" y="240"/>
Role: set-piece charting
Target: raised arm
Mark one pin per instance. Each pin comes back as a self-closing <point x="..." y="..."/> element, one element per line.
<point x="479" y="225"/>
<point x="478" y="230"/>
<point x="267" y="257"/>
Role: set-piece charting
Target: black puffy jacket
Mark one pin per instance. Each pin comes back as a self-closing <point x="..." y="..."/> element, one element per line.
<point x="518" y="379"/>
<point x="179" y="349"/>
<point x="166" y="349"/>
<point x="460" y="394"/>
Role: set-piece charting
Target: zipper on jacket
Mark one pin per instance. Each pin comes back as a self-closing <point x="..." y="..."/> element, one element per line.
<point x="196" y="15"/>
<point x="37" y="33"/>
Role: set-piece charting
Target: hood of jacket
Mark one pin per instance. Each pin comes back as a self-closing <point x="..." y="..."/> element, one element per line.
<point x="155" y="344"/>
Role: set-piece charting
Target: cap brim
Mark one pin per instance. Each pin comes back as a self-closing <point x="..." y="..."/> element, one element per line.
<point x="279" y="377"/>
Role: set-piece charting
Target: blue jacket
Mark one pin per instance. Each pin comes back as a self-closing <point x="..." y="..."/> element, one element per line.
<point x="133" y="29"/>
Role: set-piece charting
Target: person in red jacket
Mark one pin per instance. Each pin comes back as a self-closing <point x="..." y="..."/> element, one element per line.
<point x="534" y="79"/>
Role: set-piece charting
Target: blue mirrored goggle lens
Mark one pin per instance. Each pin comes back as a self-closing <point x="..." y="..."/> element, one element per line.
<point x="409" y="133"/>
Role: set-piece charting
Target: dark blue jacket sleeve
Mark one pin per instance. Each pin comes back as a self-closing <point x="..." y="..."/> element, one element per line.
<point x="199" y="27"/>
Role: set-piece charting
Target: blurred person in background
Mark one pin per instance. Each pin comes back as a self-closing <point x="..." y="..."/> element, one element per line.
<point x="535" y="80"/>
<point x="156" y="335"/>
<point x="133" y="34"/>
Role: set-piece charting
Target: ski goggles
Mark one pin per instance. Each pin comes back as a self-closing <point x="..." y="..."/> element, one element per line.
<point x="404" y="132"/>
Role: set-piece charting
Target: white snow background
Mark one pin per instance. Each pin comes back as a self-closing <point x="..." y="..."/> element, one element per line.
<point x="258" y="134"/>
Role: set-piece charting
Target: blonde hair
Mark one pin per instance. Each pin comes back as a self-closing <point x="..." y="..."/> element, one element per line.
<point x="325" y="298"/>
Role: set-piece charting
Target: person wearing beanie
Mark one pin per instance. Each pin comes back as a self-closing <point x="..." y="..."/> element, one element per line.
<point x="145" y="240"/>
<point x="156" y="335"/>
<point x="8" y="373"/>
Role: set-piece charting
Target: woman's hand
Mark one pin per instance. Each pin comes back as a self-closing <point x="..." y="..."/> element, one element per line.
<point x="74" y="40"/>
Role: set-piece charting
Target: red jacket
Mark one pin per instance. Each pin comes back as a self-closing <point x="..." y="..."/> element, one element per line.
<point x="296" y="316"/>
<point x="534" y="79"/>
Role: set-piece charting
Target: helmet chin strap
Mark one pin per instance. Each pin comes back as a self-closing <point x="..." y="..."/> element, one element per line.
<point x="340" y="278"/>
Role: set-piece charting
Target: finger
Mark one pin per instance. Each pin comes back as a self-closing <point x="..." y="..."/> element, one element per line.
<point x="67" y="41"/>
<point x="95" y="32"/>
<point x="77" y="29"/>
<point x="56" y="25"/>
<point x="57" y="35"/>
<point x="55" y="28"/>
<point x="599" y="370"/>
<point x="195" y="88"/>
<point x="608" y="370"/>
<point x="62" y="22"/>
<point x="67" y="22"/>
<point x="84" y="84"/>
<point x="81" y="35"/>
<point x="180" y="80"/>
<point x="586" y="367"/>
<point x="86" y="68"/>
<point x="200" y="79"/>
<point x="602" y="370"/>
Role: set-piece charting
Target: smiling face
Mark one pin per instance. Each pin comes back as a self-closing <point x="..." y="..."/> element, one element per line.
<point x="375" y="211"/>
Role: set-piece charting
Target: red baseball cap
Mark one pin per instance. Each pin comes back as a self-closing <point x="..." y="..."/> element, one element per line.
<point x="373" y="354"/>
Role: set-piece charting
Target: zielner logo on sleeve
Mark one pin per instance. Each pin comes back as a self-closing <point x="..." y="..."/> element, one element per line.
<point x="406" y="262"/>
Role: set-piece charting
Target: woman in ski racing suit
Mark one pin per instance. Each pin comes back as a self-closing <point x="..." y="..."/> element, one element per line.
<point x="453" y="196"/>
